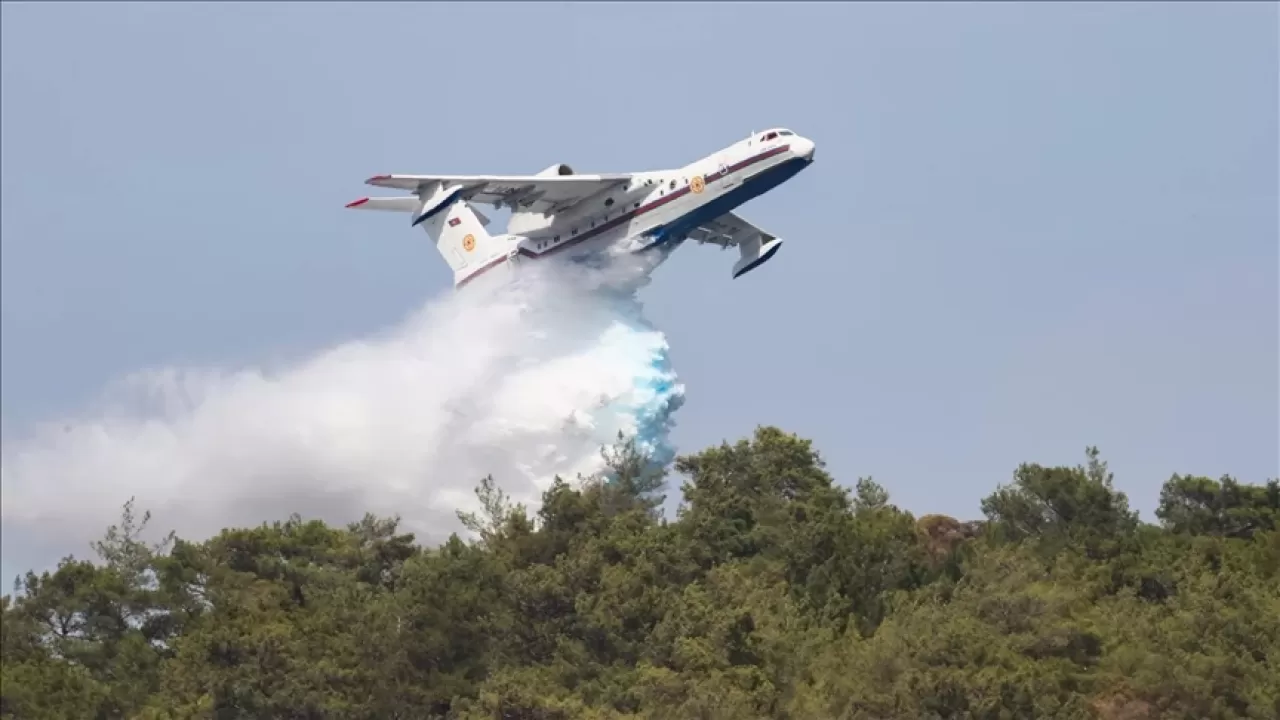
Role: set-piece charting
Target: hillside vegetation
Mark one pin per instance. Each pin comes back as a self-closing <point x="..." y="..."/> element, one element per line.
<point x="775" y="593"/>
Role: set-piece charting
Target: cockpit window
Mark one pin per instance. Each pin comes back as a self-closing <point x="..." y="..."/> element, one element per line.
<point x="768" y="136"/>
<point x="784" y="133"/>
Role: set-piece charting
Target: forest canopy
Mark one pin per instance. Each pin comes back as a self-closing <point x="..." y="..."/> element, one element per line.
<point x="775" y="592"/>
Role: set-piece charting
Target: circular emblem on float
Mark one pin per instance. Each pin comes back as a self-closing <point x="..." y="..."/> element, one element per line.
<point x="469" y="243"/>
<point x="697" y="184"/>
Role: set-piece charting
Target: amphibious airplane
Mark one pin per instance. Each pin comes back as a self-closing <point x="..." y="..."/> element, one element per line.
<point x="588" y="217"/>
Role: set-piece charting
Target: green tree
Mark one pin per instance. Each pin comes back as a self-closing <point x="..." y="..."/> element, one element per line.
<point x="1061" y="507"/>
<point x="1225" y="507"/>
<point x="776" y="592"/>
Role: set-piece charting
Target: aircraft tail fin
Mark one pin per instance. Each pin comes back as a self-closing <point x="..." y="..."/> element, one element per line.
<point x="461" y="239"/>
<point x="456" y="228"/>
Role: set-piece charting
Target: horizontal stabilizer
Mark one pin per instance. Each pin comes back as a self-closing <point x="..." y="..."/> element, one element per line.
<point x="406" y="203"/>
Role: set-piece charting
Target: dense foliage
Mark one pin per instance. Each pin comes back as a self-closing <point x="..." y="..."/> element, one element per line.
<point x="775" y="593"/>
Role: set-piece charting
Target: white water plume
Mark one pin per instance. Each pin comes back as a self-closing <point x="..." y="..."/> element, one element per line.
<point x="525" y="381"/>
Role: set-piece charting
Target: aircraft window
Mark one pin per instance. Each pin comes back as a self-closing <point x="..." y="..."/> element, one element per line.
<point x="637" y="204"/>
<point x="769" y="136"/>
<point x="673" y="185"/>
<point x="608" y="202"/>
<point x="557" y="238"/>
<point x="785" y="132"/>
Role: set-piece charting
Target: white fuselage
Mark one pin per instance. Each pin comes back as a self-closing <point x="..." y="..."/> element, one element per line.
<point x="656" y="209"/>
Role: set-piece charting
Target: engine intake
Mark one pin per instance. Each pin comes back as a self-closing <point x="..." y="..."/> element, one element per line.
<point x="558" y="169"/>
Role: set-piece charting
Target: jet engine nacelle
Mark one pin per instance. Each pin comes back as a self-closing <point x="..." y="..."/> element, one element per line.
<point x="558" y="169"/>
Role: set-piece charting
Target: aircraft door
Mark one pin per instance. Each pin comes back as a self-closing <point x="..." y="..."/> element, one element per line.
<point x="728" y="181"/>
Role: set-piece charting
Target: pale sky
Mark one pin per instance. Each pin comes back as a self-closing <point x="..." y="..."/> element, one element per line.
<point x="1030" y="227"/>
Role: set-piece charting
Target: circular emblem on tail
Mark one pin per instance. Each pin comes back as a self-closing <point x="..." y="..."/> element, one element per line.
<point x="697" y="184"/>
<point x="469" y="243"/>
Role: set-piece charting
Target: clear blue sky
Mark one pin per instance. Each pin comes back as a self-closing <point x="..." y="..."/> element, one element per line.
<point x="1030" y="227"/>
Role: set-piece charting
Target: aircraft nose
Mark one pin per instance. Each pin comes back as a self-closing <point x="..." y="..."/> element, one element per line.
<point x="803" y="147"/>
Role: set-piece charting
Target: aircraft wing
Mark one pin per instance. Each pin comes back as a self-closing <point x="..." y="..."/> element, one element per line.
<point x="527" y="193"/>
<point x="755" y="246"/>
<point x="729" y="230"/>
